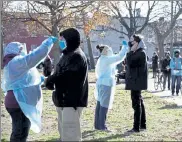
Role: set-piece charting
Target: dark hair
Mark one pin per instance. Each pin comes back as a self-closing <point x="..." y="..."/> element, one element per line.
<point x="100" y="48"/>
<point x="137" y="38"/>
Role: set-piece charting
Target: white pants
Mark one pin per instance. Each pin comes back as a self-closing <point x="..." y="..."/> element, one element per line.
<point x="69" y="123"/>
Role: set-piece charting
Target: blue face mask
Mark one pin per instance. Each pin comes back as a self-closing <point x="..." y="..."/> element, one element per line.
<point x="62" y="44"/>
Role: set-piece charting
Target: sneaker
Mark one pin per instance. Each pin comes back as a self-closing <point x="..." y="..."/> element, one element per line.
<point x="133" y="131"/>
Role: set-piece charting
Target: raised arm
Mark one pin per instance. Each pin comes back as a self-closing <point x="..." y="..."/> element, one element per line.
<point x="35" y="57"/>
<point x="115" y="59"/>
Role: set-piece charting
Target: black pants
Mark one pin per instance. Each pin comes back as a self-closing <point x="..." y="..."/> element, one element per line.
<point x="139" y="110"/>
<point x="154" y="71"/>
<point x="167" y="76"/>
<point x="20" y="125"/>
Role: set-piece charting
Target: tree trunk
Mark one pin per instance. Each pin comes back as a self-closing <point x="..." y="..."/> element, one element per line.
<point x="161" y="47"/>
<point x="2" y="41"/>
<point x="92" y="63"/>
<point x="56" y="50"/>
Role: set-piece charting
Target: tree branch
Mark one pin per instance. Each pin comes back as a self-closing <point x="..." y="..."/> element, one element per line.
<point x="35" y="19"/>
<point x="121" y="19"/>
<point x="148" y="15"/>
<point x="118" y="31"/>
<point x="173" y="22"/>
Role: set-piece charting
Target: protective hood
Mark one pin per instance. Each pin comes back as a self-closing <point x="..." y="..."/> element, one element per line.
<point x="107" y="51"/>
<point x="142" y="45"/>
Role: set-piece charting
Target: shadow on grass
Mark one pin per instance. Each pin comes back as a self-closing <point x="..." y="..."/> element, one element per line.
<point x="88" y="133"/>
<point x="53" y="140"/>
<point x="147" y="97"/>
<point x="113" y="137"/>
<point x="91" y="133"/>
<point x="154" y="91"/>
<point x="171" y="106"/>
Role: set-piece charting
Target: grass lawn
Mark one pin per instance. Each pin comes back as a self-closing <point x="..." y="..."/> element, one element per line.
<point x="164" y="120"/>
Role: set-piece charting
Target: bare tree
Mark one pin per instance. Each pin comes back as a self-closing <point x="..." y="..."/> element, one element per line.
<point x="88" y="24"/>
<point x="5" y="17"/>
<point x="163" y="28"/>
<point x="54" y="15"/>
<point x="132" y="24"/>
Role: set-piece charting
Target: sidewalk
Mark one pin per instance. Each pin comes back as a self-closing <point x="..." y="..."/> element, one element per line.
<point x="164" y="94"/>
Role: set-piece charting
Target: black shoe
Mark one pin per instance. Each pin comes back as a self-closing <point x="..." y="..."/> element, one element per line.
<point x="168" y="88"/>
<point x="133" y="131"/>
<point x="172" y="94"/>
<point x="143" y="128"/>
<point x="177" y="94"/>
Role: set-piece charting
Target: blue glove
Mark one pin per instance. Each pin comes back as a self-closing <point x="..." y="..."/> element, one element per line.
<point x="42" y="78"/>
<point x="54" y="39"/>
<point x="124" y="43"/>
<point x="125" y="46"/>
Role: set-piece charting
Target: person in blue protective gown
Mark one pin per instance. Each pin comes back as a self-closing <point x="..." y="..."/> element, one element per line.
<point x="21" y="85"/>
<point x="105" y="85"/>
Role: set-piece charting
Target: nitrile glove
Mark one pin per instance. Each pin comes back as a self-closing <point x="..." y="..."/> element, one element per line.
<point x="124" y="42"/>
<point x="125" y="45"/>
<point x="42" y="78"/>
<point x="54" y="39"/>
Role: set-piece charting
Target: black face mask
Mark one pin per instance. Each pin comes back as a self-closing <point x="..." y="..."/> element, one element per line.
<point x="176" y="55"/>
<point x="130" y="44"/>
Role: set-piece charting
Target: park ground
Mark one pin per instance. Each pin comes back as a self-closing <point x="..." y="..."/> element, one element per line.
<point x="164" y="119"/>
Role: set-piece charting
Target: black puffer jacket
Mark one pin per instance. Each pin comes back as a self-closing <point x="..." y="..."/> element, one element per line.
<point x="71" y="75"/>
<point x="136" y="72"/>
<point x="165" y="63"/>
<point x="155" y="61"/>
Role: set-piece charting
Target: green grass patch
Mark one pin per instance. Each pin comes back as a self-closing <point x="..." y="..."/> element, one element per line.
<point x="163" y="120"/>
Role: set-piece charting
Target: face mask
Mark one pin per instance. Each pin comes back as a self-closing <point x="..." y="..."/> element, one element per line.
<point x="176" y="55"/>
<point x="62" y="44"/>
<point x="130" y="44"/>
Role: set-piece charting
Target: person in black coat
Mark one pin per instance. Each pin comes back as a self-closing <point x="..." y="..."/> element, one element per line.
<point x="136" y="80"/>
<point x="70" y="81"/>
<point x="155" y="59"/>
<point x="166" y="70"/>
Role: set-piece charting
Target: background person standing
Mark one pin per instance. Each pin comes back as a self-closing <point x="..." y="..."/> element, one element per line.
<point x="155" y="59"/>
<point x="176" y="71"/>
<point x="166" y="70"/>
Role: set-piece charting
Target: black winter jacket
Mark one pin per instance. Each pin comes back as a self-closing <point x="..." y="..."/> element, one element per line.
<point x="71" y="76"/>
<point x="136" y="71"/>
<point x="165" y="63"/>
